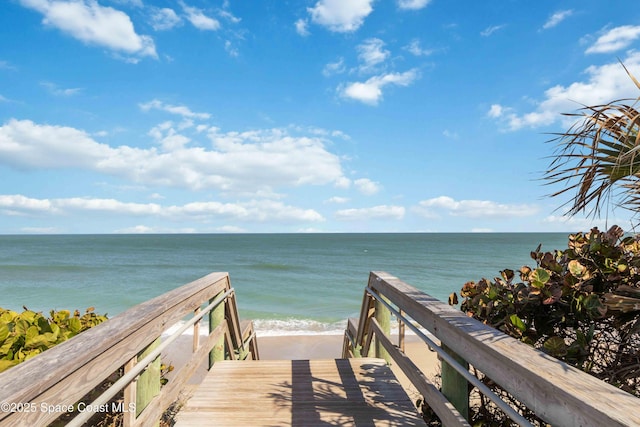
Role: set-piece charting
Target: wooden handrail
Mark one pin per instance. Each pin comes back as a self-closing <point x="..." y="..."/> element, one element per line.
<point x="64" y="374"/>
<point x="558" y="393"/>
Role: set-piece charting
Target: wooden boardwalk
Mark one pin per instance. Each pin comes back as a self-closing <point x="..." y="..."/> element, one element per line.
<point x="342" y="392"/>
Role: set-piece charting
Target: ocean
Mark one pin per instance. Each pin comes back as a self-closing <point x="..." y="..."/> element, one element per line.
<point x="286" y="283"/>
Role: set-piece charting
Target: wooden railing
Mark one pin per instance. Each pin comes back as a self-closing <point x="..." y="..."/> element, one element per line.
<point x="38" y="391"/>
<point x="556" y="392"/>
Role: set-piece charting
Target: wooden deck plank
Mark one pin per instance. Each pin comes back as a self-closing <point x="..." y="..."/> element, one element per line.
<point x="345" y="392"/>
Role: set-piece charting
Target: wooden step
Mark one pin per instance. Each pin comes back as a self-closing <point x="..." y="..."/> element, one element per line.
<point x="345" y="392"/>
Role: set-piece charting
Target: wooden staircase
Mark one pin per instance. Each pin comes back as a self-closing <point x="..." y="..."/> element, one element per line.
<point x="345" y="392"/>
<point x="354" y="391"/>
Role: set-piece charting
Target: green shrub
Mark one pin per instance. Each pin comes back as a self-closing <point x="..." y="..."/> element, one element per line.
<point x="580" y="305"/>
<point x="27" y="334"/>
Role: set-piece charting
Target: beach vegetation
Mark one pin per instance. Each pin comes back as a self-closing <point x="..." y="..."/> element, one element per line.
<point x="27" y="334"/>
<point x="598" y="158"/>
<point x="580" y="305"/>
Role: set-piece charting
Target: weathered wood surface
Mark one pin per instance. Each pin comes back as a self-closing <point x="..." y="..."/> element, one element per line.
<point x="65" y="373"/>
<point x="445" y="410"/>
<point x="558" y="393"/>
<point x="345" y="392"/>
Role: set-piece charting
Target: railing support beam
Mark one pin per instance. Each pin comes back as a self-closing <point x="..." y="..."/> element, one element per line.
<point x="454" y="386"/>
<point x="216" y="317"/>
<point x="383" y="317"/>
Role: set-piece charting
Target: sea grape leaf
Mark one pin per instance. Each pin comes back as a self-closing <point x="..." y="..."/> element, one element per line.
<point x="539" y="277"/>
<point x="555" y="346"/>
<point x="32" y="353"/>
<point x="74" y="325"/>
<point x="553" y="296"/>
<point x="32" y="332"/>
<point x="507" y="274"/>
<point x="60" y="316"/>
<point x="576" y="269"/>
<point x="594" y="306"/>
<point x="5" y="348"/>
<point x="21" y="327"/>
<point x="8" y="316"/>
<point x="55" y="331"/>
<point x="4" y="332"/>
<point x="453" y="299"/>
<point x="518" y="323"/>
<point x="37" y="341"/>
<point x="43" y="325"/>
<point x="6" y="364"/>
<point x="28" y="316"/>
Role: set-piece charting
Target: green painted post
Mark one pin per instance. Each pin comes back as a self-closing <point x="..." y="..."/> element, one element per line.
<point x="148" y="384"/>
<point x="383" y="316"/>
<point x="216" y="317"/>
<point x="454" y="386"/>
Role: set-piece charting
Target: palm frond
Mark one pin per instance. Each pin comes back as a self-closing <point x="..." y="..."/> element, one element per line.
<point x="598" y="158"/>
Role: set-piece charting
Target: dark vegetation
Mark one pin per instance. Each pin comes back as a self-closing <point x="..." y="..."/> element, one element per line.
<point x="580" y="305"/>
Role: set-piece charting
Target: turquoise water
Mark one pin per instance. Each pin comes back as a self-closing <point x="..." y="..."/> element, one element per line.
<point x="288" y="283"/>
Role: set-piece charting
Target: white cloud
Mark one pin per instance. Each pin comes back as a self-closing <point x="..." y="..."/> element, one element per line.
<point x="366" y="186"/>
<point x="198" y="19"/>
<point x="231" y="229"/>
<point x="603" y="84"/>
<point x="450" y="134"/>
<point x="490" y="30"/>
<point x="180" y="110"/>
<point x="573" y="224"/>
<point x="557" y="18"/>
<point x="94" y="24"/>
<point x="301" y="27"/>
<point x="16" y="204"/>
<point x="231" y="49"/>
<point x="55" y="90"/>
<point x="250" y="211"/>
<point x="338" y="200"/>
<point x="413" y="4"/>
<point x="40" y="230"/>
<point x="496" y="111"/>
<point x="370" y="91"/>
<point x="333" y="68"/>
<point x="615" y="39"/>
<point x="472" y="208"/>
<point x="229" y="16"/>
<point x="382" y="212"/>
<point x="416" y="49"/>
<point x="137" y="229"/>
<point x="239" y="161"/>
<point x="5" y="65"/>
<point x="371" y="53"/>
<point x="26" y="144"/>
<point x="343" y="182"/>
<point x="164" y="19"/>
<point x="340" y="15"/>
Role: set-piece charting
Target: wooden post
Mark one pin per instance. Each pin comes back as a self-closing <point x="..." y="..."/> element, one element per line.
<point x="196" y="331"/>
<point x="130" y="393"/>
<point x="383" y="316"/>
<point x="148" y="384"/>
<point x="216" y="317"/>
<point x="401" y="331"/>
<point x="454" y="386"/>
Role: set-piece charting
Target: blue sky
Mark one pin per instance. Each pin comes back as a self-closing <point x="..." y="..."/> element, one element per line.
<point x="140" y="116"/>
